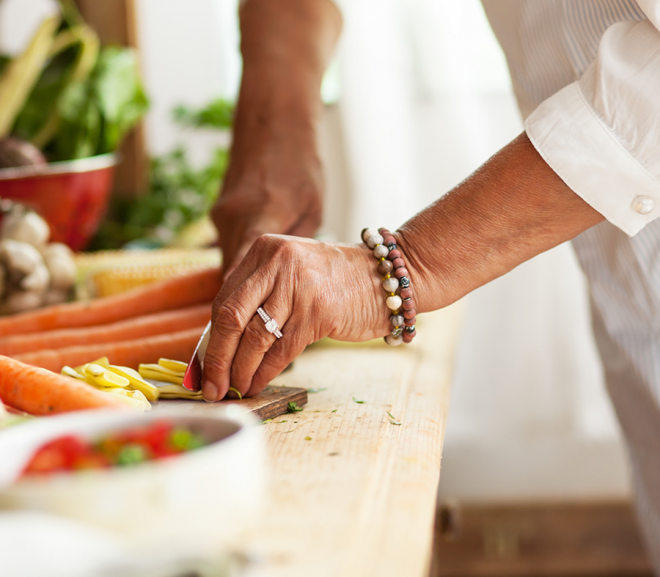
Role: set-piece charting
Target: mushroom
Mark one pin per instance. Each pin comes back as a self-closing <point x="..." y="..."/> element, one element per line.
<point x="61" y="265"/>
<point x="26" y="227"/>
<point x="37" y="281"/>
<point x="19" y="259"/>
<point x="20" y="301"/>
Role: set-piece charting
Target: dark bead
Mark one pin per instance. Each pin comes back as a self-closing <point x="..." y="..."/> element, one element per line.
<point x="394" y="254"/>
<point x="409" y="322"/>
<point x="397" y="332"/>
<point x="403" y="271"/>
<point x="408" y="305"/>
<point x="408" y="337"/>
<point x="409" y="314"/>
<point x="410" y="329"/>
<point x="397" y="262"/>
<point x="404" y="281"/>
<point x="385" y="267"/>
<point x="392" y="246"/>
<point x="406" y="293"/>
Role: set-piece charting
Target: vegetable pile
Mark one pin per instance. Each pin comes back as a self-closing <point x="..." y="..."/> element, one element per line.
<point x="70" y="453"/>
<point x="160" y="320"/>
<point x="33" y="273"/>
<point x="67" y="95"/>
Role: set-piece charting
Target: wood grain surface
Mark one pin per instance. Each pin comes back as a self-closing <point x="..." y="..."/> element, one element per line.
<point x="351" y="493"/>
<point x="272" y="402"/>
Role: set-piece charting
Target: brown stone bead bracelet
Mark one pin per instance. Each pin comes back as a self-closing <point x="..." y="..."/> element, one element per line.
<point x="396" y="282"/>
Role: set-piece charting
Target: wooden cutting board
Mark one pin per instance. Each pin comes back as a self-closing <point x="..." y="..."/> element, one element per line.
<point x="273" y="401"/>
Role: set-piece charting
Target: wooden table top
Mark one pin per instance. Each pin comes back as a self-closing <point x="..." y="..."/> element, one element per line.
<point x="351" y="492"/>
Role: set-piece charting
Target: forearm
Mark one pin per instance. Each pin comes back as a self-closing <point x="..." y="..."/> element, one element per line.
<point x="511" y="209"/>
<point x="286" y="45"/>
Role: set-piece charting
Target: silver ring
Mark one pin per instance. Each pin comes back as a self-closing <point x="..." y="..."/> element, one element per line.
<point x="271" y="324"/>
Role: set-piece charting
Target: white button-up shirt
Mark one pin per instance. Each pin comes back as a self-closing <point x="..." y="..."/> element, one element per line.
<point x="587" y="78"/>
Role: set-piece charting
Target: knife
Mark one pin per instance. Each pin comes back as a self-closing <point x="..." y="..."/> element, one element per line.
<point x="192" y="379"/>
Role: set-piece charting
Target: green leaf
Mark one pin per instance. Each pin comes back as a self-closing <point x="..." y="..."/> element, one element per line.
<point x="217" y="114"/>
<point x="393" y="419"/>
<point x="119" y="94"/>
<point x="358" y="402"/>
<point x="293" y="408"/>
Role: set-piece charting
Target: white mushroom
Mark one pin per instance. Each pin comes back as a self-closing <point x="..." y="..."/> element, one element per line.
<point x="20" y="301"/>
<point x="37" y="281"/>
<point x="26" y="227"/>
<point x="19" y="259"/>
<point x="62" y="266"/>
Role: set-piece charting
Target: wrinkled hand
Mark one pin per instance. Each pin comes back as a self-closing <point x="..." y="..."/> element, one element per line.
<point x="313" y="289"/>
<point x="277" y="190"/>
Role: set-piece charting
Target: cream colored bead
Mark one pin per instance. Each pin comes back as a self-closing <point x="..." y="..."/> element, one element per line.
<point x="373" y="240"/>
<point x="394" y="302"/>
<point x="368" y="232"/>
<point x="393" y="341"/>
<point x="381" y="251"/>
<point x="390" y="284"/>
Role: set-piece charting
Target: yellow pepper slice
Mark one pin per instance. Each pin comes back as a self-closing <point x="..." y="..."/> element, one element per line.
<point x="174" y="366"/>
<point x="136" y="381"/>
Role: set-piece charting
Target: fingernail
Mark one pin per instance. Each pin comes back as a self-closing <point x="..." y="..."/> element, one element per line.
<point x="210" y="392"/>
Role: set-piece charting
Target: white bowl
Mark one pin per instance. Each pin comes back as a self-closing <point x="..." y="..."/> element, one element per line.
<point x="195" y="503"/>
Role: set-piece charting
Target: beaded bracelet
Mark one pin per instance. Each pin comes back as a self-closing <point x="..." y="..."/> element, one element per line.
<point x="395" y="278"/>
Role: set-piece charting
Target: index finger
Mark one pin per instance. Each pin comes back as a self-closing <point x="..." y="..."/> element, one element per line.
<point x="230" y="317"/>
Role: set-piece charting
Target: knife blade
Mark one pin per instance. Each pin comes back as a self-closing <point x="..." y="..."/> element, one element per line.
<point x="192" y="378"/>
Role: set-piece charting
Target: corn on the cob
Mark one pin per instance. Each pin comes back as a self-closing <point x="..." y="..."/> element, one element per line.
<point x="112" y="272"/>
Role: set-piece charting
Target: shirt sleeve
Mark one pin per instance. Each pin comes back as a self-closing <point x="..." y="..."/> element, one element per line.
<point x="601" y="134"/>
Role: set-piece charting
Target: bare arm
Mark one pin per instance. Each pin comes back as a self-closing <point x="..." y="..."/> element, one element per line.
<point x="274" y="182"/>
<point x="511" y="209"/>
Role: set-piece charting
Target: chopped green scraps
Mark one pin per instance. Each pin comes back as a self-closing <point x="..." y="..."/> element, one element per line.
<point x="293" y="407"/>
<point x="266" y="421"/>
<point x="333" y="411"/>
<point x="393" y="419"/>
<point x="358" y="402"/>
<point x="308" y="438"/>
<point x="314" y="390"/>
<point x="282" y="421"/>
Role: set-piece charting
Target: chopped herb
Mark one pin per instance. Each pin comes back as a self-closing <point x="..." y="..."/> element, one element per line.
<point x="358" y="402"/>
<point x="308" y="438"/>
<point x="393" y="419"/>
<point x="334" y="411"/>
<point x="293" y="408"/>
<point x="282" y="421"/>
<point x="317" y="411"/>
<point x="291" y="431"/>
<point x="266" y="421"/>
<point x="313" y="390"/>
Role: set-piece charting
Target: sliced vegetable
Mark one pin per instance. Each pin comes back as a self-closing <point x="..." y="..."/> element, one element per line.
<point x="137" y="382"/>
<point x="174" y="366"/>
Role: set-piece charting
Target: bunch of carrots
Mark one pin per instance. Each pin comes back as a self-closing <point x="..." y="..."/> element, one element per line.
<point x="162" y="319"/>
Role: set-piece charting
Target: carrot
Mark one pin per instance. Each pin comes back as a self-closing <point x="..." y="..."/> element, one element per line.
<point x="40" y="392"/>
<point x="179" y="346"/>
<point x="145" y="326"/>
<point x="179" y="292"/>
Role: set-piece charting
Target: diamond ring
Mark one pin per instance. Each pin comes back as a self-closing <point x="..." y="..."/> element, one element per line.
<point x="271" y="324"/>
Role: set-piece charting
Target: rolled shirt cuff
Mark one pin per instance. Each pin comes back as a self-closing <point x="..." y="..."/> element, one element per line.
<point x="586" y="154"/>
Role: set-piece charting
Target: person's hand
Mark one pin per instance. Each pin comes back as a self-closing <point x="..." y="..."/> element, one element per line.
<point x="272" y="187"/>
<point x="313" y="289"/>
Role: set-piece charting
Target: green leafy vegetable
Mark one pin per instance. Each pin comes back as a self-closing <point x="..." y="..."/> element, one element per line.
<point x="217" y="114"/>
<point x="293" y="408"/>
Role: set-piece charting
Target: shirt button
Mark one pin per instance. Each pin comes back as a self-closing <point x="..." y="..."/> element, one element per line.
<point x="643" y="204"/>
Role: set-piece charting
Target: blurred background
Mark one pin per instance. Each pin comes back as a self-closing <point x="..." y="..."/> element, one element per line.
<point x="417" y="97"/>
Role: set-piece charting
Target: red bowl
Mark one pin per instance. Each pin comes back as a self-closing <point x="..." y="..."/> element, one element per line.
<point x="72" y="196"/>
